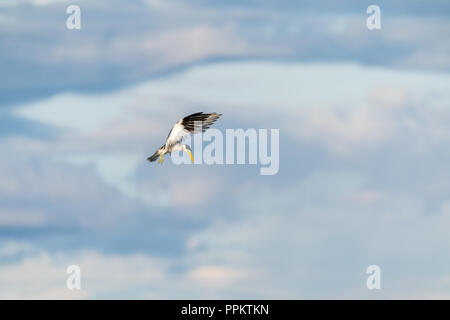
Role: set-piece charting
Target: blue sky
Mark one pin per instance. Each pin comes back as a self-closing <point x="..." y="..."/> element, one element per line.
<point x="364" y="131"/>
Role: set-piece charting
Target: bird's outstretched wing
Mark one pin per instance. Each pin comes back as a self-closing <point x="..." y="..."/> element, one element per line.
<point x="194" y="123"/>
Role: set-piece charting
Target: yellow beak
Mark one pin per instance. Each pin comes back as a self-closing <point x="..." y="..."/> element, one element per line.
<point x="192" y="158"/>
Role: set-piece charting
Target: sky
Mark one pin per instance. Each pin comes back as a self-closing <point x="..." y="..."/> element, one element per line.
<point x="364" y="127"/>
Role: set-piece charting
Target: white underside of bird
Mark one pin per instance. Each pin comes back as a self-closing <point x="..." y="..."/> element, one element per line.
<point x="194" y="123"/>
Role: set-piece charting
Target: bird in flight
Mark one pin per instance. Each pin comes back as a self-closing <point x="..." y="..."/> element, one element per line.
<point x="194" y="123"/>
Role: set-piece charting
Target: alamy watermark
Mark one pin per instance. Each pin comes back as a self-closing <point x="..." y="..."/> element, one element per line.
<point x="238" y="146"/>
<point x="374" y="280"/>
<point x="74" y="279"/>
<point x="373" y="22"/>
<point x="74" y="20"/>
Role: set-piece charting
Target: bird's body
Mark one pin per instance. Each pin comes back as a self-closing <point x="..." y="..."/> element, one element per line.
<point x="194" y="123"/>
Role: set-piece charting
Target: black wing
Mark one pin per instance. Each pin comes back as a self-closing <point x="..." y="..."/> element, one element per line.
<point x="193" y="122"/>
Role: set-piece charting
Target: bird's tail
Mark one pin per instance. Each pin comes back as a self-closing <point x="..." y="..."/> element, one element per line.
<point x="155" y="155"/>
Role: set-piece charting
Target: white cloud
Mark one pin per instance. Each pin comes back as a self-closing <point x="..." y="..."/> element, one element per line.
<point x="216" y="276"/>
<point x="43" y="276"/>
<point x="133" y="276"/>
<point x="39" y="191"/>
<point x="194" y="43"/>
<point x="309" y="241"/>
<point x="190" y="191"/>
